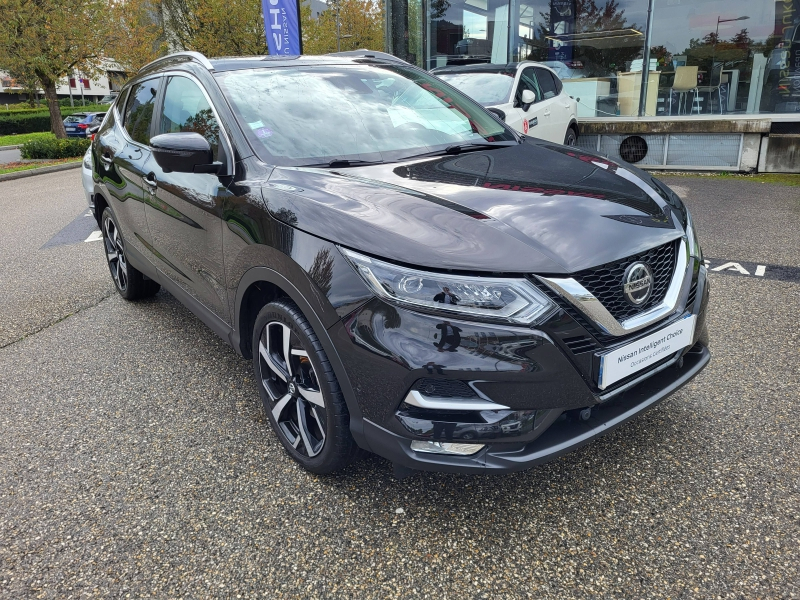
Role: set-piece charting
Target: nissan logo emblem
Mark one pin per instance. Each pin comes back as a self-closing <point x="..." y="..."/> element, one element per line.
<point x="637" y="283"/>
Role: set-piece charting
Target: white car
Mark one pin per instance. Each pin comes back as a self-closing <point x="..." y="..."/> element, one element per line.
<point x="528" y="96"/>
<point x="86" y="177"/>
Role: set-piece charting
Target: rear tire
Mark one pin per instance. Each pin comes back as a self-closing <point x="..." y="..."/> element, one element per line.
<point x="299" y="390"/>
<point x="130" y="282"/>
<point x="571" y="138"/>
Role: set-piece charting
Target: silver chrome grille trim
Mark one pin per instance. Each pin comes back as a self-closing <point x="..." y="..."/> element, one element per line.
<point x="414" y="398"/>
<point x="582" y="299"/>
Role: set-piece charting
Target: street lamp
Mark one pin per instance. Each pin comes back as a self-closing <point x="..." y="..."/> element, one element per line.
<point x="339" y="36"/>
<point x="716" y="35"/>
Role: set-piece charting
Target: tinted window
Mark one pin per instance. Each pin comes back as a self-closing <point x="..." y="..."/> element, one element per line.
<point x="186" y="109"/>
<point x="546" y="83"/>
<point x="527" y="81"/>
<point x="311" y="115"/>
<point x="139" y="110"/>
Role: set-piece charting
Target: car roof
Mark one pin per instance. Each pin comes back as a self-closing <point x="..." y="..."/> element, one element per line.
<point x="489" y="67"/>
<point x="477" y="68"/>
<point x="234" y="63"/>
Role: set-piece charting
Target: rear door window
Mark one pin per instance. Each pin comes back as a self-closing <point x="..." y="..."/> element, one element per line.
<point x="139" y="110"/>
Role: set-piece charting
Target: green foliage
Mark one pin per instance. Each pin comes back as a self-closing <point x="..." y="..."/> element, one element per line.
<point x="24" y="122"/>
<point x="25" y="109"/>
<point x="53" y="148"/>
<point x="13" y="140"/>
<point x="35" y="121"/>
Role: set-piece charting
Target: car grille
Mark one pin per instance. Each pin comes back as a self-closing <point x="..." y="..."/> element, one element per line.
<point x="605" y="281"/>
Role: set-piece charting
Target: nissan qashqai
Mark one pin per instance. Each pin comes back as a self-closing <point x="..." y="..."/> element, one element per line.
<point x="408" y="275"/>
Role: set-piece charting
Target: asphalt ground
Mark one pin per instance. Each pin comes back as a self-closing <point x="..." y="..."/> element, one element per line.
<point x="135" y="460"/>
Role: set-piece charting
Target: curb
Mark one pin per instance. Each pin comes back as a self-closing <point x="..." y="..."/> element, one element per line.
<point x="10" y="147"/>
<point x="39" y="171"/>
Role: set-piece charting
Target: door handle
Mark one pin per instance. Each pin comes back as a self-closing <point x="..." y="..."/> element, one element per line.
<point x="150" y="180"/>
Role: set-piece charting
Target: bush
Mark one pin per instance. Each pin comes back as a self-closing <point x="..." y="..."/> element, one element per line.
<point x="37" y="120"/>
<point x="24" y="122"/>
<point x="51" y="148"/>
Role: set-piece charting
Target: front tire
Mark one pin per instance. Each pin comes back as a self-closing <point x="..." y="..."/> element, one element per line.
<point x="299" y="390"/>
<point x="130" y="282"/>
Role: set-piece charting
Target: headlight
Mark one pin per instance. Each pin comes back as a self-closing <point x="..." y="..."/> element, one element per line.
<point x="691" y="235"/>
<point x="487" y="298"/>
<point x="87" y="159"/>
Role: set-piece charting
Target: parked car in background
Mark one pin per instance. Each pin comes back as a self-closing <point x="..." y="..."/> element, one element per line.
<point x="77" y="124"/>
<point x="86" y="178"/>
<point x="528" y="96"/>
<point x="108" y="99"/>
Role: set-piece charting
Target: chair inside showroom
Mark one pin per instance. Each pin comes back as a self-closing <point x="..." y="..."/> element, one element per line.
<point x="718" y="79"/>
<point x="685" y="81"/>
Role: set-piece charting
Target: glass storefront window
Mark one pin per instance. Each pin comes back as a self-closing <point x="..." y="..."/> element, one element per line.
<point x="467" y="31"/>
<point x="745" y="55"/>
<point x="706" y="57"/>
<point x="595" y="47"/>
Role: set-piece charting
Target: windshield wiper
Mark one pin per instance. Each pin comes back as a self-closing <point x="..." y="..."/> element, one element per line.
<point x="459" y="148"/>
<point x="345" y="162"/>
<point x="465" y="147"/>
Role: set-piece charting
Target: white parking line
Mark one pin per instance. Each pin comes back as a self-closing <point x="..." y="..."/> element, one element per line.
<point x="95" y="236"/>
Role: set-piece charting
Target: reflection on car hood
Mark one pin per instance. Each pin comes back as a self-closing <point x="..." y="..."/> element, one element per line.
<point x="536" y="207"/>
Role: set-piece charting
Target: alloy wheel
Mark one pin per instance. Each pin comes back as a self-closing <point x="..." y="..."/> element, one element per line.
<point x="115" y="253"/>
<point x="296" y="399"/>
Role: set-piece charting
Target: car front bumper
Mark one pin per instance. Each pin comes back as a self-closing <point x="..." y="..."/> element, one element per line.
<point x="546" y="395"/>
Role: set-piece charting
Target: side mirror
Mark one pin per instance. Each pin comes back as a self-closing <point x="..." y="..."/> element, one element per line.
<point x="185" y="152"/>
<point x="528" y="98"/>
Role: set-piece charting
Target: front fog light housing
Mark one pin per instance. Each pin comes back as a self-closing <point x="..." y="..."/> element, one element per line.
<point x="445" y="448"/>
<point x="508" y="300"/>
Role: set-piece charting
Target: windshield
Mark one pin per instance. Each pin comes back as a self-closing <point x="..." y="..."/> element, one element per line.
<point x="315" y="114"/>
<point x="489" y="89"/>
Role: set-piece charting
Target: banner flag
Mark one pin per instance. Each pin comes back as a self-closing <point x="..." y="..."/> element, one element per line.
<point x="282" y="26"/>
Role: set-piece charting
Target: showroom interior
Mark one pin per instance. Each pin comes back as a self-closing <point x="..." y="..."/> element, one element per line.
<point x="668" y="71"/>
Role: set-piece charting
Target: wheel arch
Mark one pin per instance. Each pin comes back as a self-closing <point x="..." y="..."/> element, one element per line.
<point x="573" y="123"/>
<point x="100" y="204"/>
<point x="258" y="287"/>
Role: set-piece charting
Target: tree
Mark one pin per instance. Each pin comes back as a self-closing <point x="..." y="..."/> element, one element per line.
<point x="140" y="36"/>
<point x="362" y="20"/>
<point x="215" y="27"/>
<point x="51" y="38"/>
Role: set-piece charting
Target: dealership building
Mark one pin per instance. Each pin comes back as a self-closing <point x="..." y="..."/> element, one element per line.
<point x="668" y="84"/>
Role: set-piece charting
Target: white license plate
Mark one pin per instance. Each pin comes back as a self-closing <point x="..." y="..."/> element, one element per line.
<point x="631" y="358"/>
<point x="70" y="129"/>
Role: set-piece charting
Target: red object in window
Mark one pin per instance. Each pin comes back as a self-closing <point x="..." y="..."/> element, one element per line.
<point x="72" y="83"/>
<point x="85" y="83"/>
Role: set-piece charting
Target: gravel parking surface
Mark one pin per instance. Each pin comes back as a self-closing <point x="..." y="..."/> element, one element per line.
<point x="135" y="459"/>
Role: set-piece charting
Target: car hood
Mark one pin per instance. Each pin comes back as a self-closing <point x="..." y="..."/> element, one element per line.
<point x="532" y="208"/>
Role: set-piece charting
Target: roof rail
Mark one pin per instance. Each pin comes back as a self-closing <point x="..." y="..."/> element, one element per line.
<point x="370" y="54"/>
<point x="197" y="56"/>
